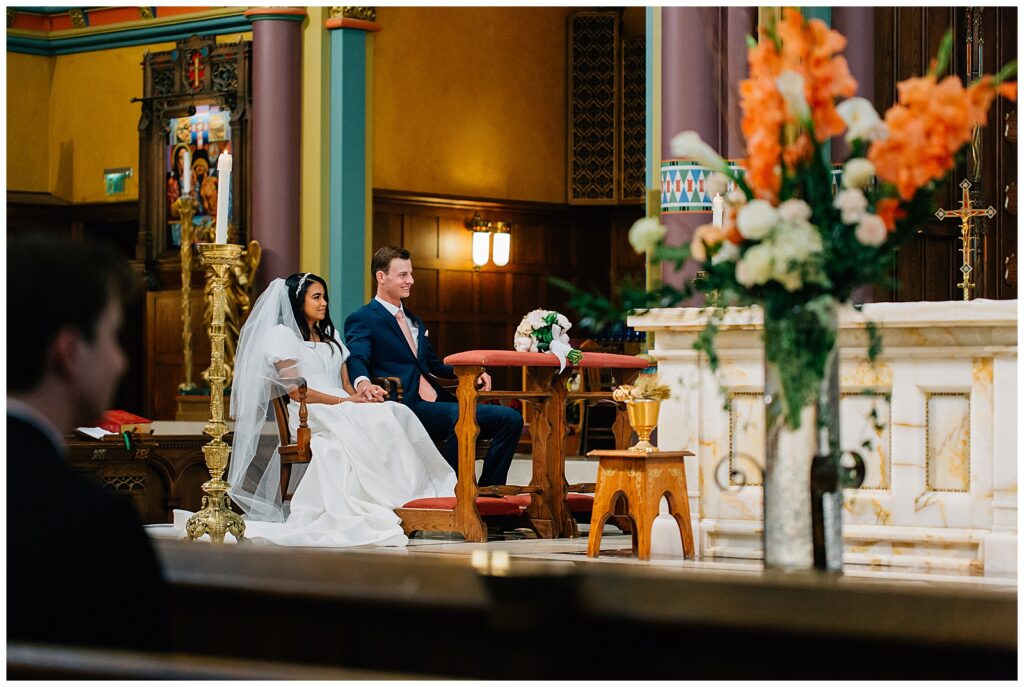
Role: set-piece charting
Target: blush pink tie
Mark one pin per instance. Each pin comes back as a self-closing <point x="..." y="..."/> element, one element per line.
<point x="427" y="392"/>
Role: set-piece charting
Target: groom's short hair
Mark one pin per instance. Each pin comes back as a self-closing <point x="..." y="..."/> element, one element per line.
<point x="382" y="259"/>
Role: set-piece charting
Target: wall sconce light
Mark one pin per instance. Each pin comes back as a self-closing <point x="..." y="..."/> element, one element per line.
<point x="502" y="243"/>
<point x="482" y="230"/>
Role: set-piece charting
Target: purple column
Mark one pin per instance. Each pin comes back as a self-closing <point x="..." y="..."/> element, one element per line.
<point x="276" y="126"/>
<point x="689" y="90"/>
<point x="740" y="23"/>
<point x="858" y="25"/>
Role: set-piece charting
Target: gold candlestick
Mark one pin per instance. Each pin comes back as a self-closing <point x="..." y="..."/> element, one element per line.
<point x="186" y="207"/>
<point x="216" y="518"/>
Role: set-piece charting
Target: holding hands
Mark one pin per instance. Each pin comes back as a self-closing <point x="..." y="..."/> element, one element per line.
<point x="373" y="393"/>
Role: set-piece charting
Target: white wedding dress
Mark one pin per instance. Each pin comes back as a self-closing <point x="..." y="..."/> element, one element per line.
<point x="368" y="458"/>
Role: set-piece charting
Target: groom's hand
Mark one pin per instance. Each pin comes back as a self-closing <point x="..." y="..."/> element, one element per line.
<point x="373" y="393"/>
<point x="483" y="382"/>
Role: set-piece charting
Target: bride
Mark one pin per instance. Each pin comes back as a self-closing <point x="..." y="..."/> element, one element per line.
<point x="369" y="455"/>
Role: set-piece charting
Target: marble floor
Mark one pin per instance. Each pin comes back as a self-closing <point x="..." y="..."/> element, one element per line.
<point x="616" y="547"/>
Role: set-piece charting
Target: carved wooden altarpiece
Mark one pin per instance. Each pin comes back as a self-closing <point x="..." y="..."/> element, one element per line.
<point x="202" y="90"/>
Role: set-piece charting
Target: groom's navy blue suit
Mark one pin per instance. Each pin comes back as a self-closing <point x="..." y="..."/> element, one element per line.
<point x="378" y="348"/>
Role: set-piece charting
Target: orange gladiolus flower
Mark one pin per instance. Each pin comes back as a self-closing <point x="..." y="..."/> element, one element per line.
<point x="889" y="210"/>
<point x="808" y="48"/>
<point x="931" y="122"/>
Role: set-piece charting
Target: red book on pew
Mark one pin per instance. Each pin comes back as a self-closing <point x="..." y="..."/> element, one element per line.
<point x="118" y="421"/>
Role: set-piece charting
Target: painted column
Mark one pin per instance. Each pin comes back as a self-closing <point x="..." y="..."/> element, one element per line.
<point x="350" y="181"/>
<point x="689" y="91"/>
<point x="276" y="127"/>
<point x="740" y="23"/>
<point x="858" y="25"/>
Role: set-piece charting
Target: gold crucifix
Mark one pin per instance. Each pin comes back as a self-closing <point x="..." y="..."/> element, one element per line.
<point x="965" y="213"/>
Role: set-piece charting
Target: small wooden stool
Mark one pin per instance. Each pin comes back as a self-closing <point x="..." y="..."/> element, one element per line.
<point x="642" y="479"/>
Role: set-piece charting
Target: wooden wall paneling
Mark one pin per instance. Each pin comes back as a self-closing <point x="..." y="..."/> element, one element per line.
<point x="1000" y="30"/>
<point x="469" y="308"/>
<point x="927" y="267"/>
<point x="164" y="350"/>
<point x="420" y="236"/>
<point x="426" y="291"/>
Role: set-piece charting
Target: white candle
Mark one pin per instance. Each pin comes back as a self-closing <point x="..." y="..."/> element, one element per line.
<point x="223" y="184"/>
<point x="717" y="210"/>
<point x="186" y="173"/>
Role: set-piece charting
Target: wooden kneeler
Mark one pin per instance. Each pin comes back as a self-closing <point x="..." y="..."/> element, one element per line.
<point x="464" y="512"/>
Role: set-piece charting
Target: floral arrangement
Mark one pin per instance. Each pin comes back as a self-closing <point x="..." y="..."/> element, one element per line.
<point x="787" y="243"/>
<point x="646" y="388"/>
<point x="544" y="331"/>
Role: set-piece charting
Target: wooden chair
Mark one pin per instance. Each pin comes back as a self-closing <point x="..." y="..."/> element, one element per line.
<point x="297" y="451"/>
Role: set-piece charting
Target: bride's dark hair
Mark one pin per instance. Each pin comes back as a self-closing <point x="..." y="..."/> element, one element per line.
<point x="298" y="284"/>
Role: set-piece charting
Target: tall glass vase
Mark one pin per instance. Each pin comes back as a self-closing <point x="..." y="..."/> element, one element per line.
<point x="803" y="499"/>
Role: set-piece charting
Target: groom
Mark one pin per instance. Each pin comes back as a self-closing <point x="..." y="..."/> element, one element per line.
<point x="386" y="340"/>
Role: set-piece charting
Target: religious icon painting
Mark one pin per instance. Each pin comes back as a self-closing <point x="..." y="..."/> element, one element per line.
<point x="193" y="144"/>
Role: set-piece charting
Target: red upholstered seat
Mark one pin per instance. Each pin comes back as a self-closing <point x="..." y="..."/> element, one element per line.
<point x="485" y="505"/>
<point x="577" y="503"/>
<point x="499" y="358"/>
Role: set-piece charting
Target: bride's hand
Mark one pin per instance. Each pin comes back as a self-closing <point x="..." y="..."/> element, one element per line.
<point x="372" y="393"/>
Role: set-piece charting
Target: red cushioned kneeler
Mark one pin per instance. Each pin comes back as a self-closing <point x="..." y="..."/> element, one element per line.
<point x="485" y="505"/>
<point x="577" y="503"/>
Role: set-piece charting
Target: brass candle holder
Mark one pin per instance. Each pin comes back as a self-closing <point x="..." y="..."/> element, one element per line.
<point x="186" y="207"/>
<point x="216" y="518"/>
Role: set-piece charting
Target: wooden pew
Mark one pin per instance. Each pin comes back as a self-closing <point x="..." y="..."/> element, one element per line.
<point x="529" y="619"/>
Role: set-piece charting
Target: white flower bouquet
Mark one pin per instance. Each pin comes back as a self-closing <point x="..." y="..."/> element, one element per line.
<point x="544" y="331"/>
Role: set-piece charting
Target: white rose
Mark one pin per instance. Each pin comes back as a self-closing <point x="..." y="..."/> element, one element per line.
<point x="735" y="198"/>
<point x="852" y="204"/>
<point x="862" y="121"/>
<point x="756" y="218"/>
<point x="536" y="319"/>
<point x="755" y="267"/>
<point x="690" y="146"/>
<point x="718" y="184"/>
<point x="795" y="242"/>
<point x="563" y="322"/>
<point x="522" y="343"/>
<point x="871" y="230"/>
<point x="795" y="210"/>
<point x="790" y="277"/>
<point x="857" y="172"/>
<point x="728" y="252"/>
<point x="645" y="234"/>
<point x="791" y="87"/>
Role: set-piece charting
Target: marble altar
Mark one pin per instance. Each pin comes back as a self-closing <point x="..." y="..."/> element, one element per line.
<point x="941" y="485"/>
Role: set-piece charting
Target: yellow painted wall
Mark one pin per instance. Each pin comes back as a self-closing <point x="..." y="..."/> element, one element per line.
<point x="89" y="122"/>
<point x="93" y="123"/>
<point x="471" y="101"/>
<point x="28" y="117"/>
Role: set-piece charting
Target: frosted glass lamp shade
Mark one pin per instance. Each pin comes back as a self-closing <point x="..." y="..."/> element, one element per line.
<point x="481" y="247"/>
<point x="502" y="248"/>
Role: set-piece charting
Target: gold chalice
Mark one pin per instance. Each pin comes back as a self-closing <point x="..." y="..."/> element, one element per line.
<point x="643" y="416"/>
